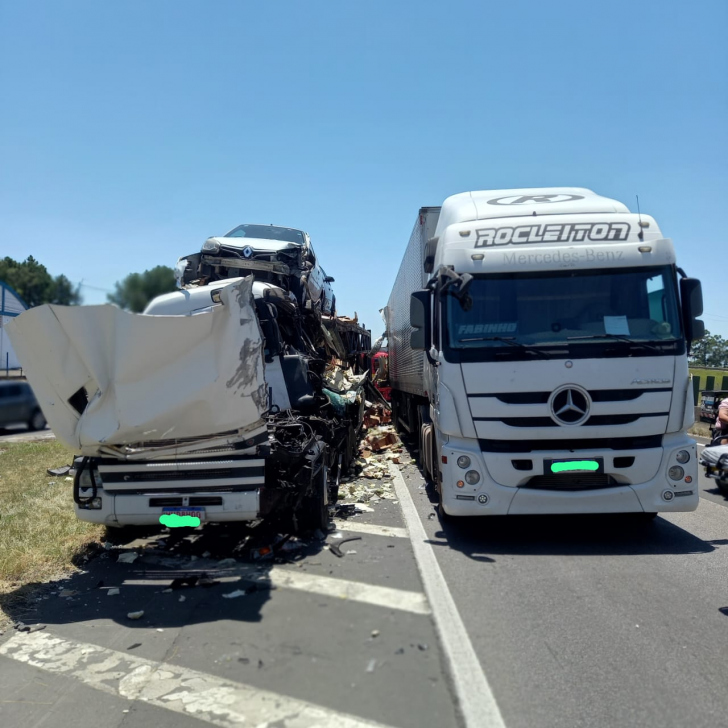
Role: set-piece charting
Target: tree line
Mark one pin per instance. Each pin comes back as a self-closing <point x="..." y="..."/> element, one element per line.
<point x="710" y="351"/>
<point x="36" y="286"/>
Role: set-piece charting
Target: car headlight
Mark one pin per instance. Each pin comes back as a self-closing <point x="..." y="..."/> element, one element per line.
<point x="472" y="477"/>
<point x="683" y="456"/>
<point x="211" y="246"/>
<point x="463" y="462"/>
<point x="676" y="472"/>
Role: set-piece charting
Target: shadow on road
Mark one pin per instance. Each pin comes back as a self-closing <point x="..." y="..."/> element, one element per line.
<point x="177" y="578"/>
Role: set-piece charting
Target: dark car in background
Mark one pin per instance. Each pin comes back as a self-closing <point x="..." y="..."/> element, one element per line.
<point x="18" y="406"/>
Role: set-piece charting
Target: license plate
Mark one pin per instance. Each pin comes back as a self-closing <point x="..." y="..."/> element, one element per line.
<point x="573" y="465"/>
<point x="181" y="511"/>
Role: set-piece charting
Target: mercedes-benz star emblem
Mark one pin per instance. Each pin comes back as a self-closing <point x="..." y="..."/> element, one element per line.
<point x="569" y="406"/>
<point x="247" y="251"/>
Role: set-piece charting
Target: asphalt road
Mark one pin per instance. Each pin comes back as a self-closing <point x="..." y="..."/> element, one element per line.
<point x="20" y="433"/>
<point x="584" y="621"/>
<point x="573" y="622"/>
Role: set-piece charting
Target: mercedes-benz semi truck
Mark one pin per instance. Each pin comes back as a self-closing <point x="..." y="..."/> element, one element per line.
<point x="538" y="344"/>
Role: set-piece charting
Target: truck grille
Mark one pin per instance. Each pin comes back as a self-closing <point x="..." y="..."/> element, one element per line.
<point x="585" y="481"/>
<point x="515" y="415"/>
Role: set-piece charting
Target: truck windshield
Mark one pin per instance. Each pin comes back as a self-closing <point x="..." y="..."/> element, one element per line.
<point x="267" y="232"/>
<point x="609" y="308"/>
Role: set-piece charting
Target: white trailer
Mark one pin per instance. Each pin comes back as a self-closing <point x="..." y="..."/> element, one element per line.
<point x="538" y="343"/>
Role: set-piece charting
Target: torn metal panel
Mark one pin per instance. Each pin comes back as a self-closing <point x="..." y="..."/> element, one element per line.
<point x="105" y="377"/>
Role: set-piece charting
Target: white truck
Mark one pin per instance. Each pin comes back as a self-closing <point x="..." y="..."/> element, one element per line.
<point x="224" y="401"/>
<point x="538" y="343"/>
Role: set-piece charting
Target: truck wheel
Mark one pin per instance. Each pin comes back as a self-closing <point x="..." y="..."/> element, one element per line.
<point x="37" y="421"/>
<point x="444" y="517"/>
<point x="722" y="485"/>
<point x="314" y="513"/>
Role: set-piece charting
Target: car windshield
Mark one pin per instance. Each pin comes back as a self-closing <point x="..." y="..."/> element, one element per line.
<point x="533" y="309"/>
<point x="267" y="232"/>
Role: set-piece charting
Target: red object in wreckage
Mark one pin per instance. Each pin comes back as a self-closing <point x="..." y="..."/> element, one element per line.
<point x="380" y="374"/>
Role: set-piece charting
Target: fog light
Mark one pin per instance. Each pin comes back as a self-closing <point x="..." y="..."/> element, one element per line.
<point x="472" y="477"/>
<point x="463" y="462"/>
<point x="460" y="484"/>
<point x="482" y="499"/>
<point x="667" y="495"/>
<point x="93" y="505"/>
<point x="683" y="456"/>
<point x="676" y="472"/>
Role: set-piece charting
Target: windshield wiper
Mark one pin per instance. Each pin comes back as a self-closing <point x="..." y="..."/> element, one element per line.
<point x="618" y="337"/>
<point x="508" y="340"/>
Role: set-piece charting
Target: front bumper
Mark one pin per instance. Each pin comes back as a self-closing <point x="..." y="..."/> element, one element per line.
<point x="488" y="497"/>
<point x="134" y="510"/>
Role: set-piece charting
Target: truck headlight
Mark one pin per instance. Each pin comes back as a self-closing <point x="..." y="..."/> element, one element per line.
<point x="683" y="456"/>
<point x="93" y="505"/>
<point x="463" y="462"/>
<point x="472" y="477"/>
<point x="676" y="473"/>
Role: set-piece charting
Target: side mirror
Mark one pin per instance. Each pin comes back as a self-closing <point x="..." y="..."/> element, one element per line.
<point x="430" y="250"/>
<point x="691" y="295"/>
<point x="420" y="320"/>
<point x="329" y="279"/>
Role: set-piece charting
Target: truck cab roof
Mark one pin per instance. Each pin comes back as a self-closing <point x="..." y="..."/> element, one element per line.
<point x="201" y="299"/>
<point x="534" y="201"/>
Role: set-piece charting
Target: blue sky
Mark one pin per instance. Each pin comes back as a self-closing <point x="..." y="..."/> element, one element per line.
<point x="132" y="131"/>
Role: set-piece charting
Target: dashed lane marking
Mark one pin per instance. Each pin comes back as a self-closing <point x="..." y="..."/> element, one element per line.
<point x="473" y="694"/>
<point x="355" y="591"/>
<point x="206" y="697"/>
<point x="371" y="529"/>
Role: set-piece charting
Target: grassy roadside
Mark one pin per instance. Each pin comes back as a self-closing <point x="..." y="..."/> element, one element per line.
<point x="700" y="429"/>
<point x="39" y="532"/>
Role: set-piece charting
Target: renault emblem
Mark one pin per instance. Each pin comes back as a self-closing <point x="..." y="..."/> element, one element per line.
<point x="247" y="251"/>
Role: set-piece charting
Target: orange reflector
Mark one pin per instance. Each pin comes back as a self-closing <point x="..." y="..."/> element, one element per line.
<point x="688" y="479"/>
<point x="460" y="484"/>
<point x="444" y="459"/>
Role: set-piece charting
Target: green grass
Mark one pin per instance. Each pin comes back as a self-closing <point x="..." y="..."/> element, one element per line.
<point x="717" y="375"/>
<point x="40" y="535"/>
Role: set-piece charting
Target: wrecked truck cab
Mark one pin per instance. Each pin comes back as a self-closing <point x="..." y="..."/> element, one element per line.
<point x="209" y="404"/>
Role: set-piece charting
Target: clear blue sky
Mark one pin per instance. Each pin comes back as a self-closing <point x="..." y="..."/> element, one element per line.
<point x="133" y="130"/>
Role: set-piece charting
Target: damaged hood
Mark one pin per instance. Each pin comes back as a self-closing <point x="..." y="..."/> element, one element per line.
<point x="257" y="244"/>
<point x="146" y="378"/>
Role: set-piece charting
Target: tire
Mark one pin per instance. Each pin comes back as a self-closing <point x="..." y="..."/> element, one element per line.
<point x="722" y="486"/>
<point x="444" y="517"/>
<point x="37" y="421"/>
<point x="646" y="516"/>
<point x="314" y="512"/>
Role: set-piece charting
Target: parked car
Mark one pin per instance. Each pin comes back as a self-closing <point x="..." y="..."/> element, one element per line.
<point x="18" y="406"/>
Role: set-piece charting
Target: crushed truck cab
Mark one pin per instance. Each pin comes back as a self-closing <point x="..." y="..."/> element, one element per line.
<point x="223" y="401"/>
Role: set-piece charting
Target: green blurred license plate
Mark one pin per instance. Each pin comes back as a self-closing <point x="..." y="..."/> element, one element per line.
<point x="573" y="465"/>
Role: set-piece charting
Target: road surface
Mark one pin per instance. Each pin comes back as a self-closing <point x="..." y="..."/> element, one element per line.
<point x="519" y="622"/>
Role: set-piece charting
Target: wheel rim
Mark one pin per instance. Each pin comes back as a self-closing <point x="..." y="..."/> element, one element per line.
<point x="38" y="421"/>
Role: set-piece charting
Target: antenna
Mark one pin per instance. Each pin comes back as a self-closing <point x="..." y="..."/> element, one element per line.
<point x="641" y="234"/>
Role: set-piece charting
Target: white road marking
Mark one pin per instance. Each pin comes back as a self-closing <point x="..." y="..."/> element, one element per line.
<point x="472" y="691"/>
<point x="355" y="591"/>
<point x="206" y="697"/>
<point x="344" y="525"/>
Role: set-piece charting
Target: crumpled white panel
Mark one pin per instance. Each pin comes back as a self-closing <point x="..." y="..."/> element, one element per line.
<point x="148" y="378"/>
